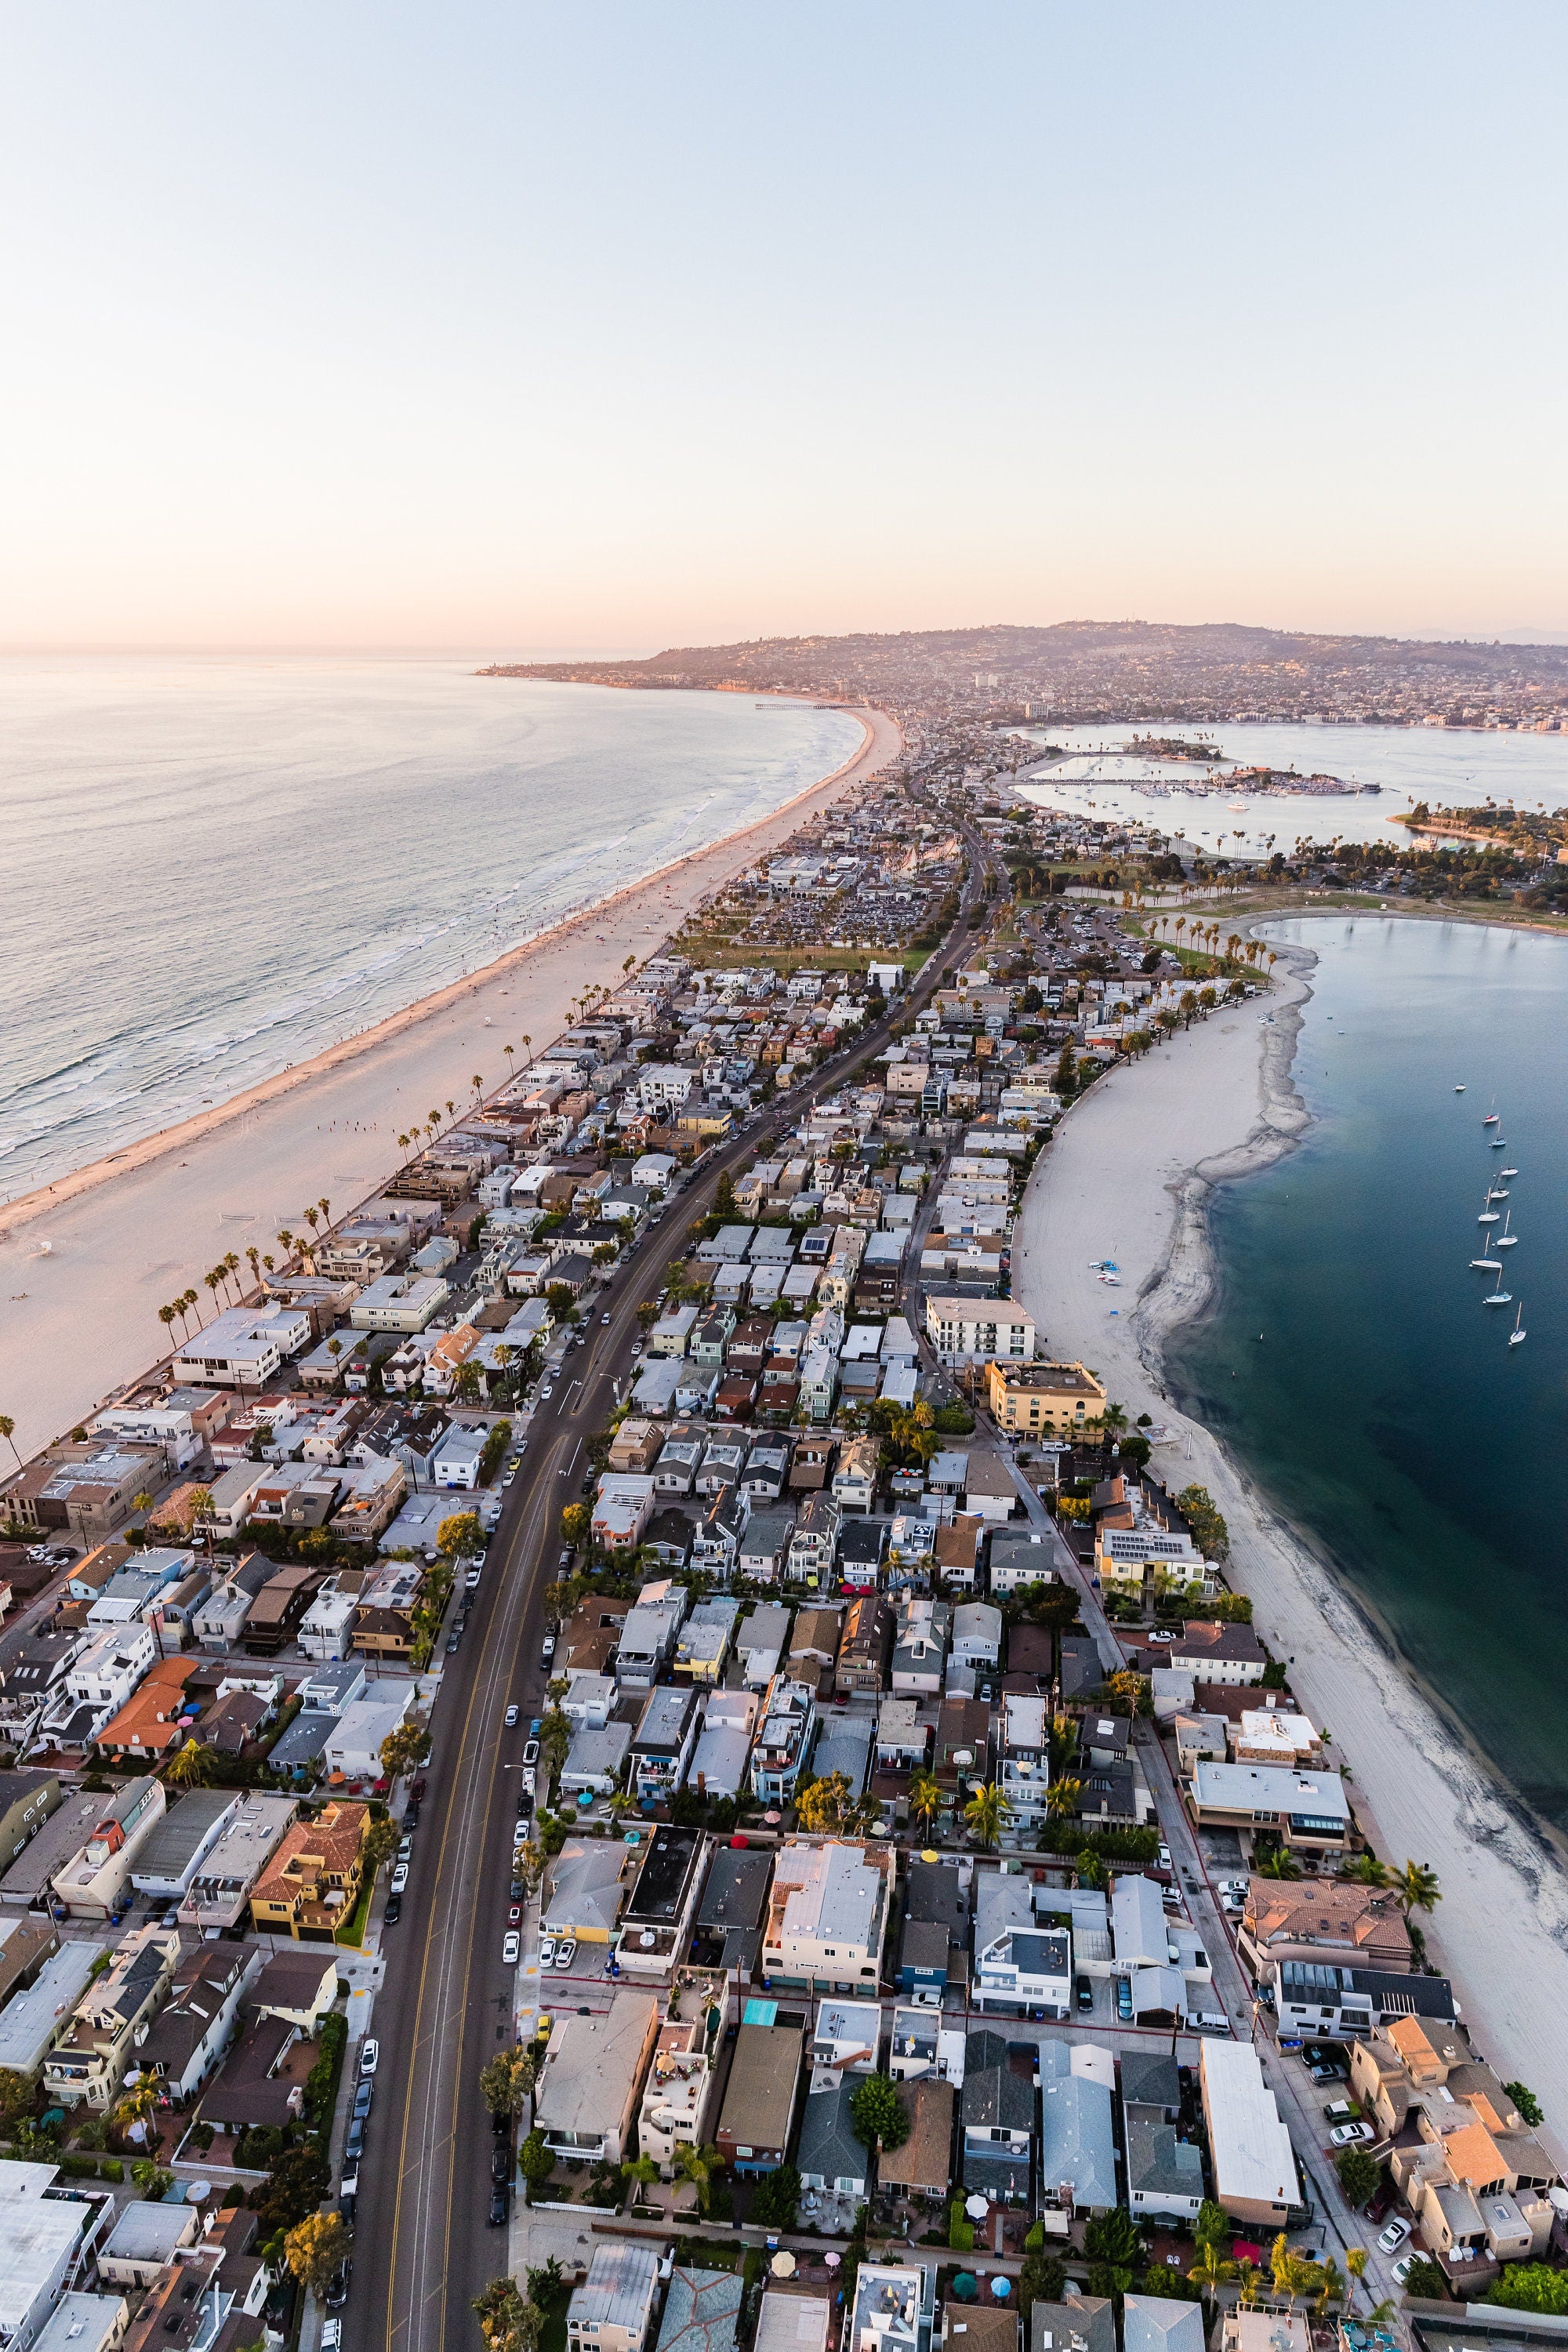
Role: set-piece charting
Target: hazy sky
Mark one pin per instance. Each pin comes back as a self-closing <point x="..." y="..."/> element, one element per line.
<point x="621" y="325"/>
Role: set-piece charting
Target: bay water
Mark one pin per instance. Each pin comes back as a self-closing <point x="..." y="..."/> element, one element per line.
<point x="1349" y="1360"/>
<point x="215" y="867"/>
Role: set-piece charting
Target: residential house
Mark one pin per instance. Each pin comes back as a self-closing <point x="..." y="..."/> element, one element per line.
<point x="754" y="2126"/>
<point x="1023" y="1963"/>
<point x="701" y="2311"/>
<point x="855" y="1478"/>
<point x="92" y="1883"/>
<point x="923" y="2167"/>
<point x="679" y="2092"/>
<point x="813" y="1545"/>
<point x="703" y="1647"/>
<point x="612" y="2309"/>
<point x="218" y="1894"/>
<point x="1042" y="1400"/>
<point x="731" y="1911"/>
<point x="934" y="1951"/>
<point x="784" y="1741"/>
<point x="827" y="1915"/>
<point x="764" y="1545"/>
<point x="997" y="2111"/>
<point x="190" y="2035"/>
<point x="1306" y="1811"/>
<point x="1213" y="1652"/>
<point x="1250" y="2156"/>
<point x="27" y="1802"/>
<point x="662" y="1745"/>
<point x="866" y="1647"/>
<point x="1162" y="2322"/>
<point x="591" y="2076"/>
<point x="180" y="1841"/>
<point x="1077" y="2152"/>
<point x="760" y="1643"/>
<point x="585" y="1886"/>
<point x="89" y="2061"/>
<point x="977" y="1637"/>
<point x="595" y="1761"/>
<point x="1320" y="1919"/>
<point x="919" y="1648"/>
<point x="312" y="1882"/>
<point x="830" y="2156"/>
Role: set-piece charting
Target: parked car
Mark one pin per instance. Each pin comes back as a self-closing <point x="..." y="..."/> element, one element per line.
<point x="1393" y="2237"/>
<point x="331" y="2335"/>
<point x="500" y="2208"/>
<point x="410" y="1817"/>
<point x="1084" y="1991"/>
<point x="547" y="1648"/>
<point x="603" y="1319"/>
<point x="530" y="1751"/>
<point x="1124" y="2000"/>
<point x="365" y="2094"/>
<point x="1403" y="2268"/>
<point x="417" y="1788"/>
<point x="510" y="1948"/>
<point x="1327" y="2073"/>
<point x="404" y="1849"/>
<point x="470" y="1581"/>
<point x="1350" y="2135"/>
<point x="400" y="1878"/>
<point x="510" y="1721"/>
<point x="501" y="2164"/>
<point x="546" y="1951"/>
<point x="393" y="1911"/>
<point x="353" y="2147"/>
<point x="369" y="2057"/>
<point x="567" y="1952"/>
<point x="453" y="1640"/>
<point x="338" y="2286"/>
<point x="514" y="1916"/>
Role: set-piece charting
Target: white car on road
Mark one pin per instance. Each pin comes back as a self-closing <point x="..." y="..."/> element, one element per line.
<point x="1393" y="2237"/>
<point x="369" y="2058"/>
<point x="510" y="1947"/>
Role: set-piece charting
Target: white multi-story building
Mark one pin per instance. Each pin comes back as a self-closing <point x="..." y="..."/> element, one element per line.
<point x="243" y="1348"/>
<point x="980" y="1331"/>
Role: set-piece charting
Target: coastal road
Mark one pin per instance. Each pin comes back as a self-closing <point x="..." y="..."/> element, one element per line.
<point x="422" y="2248"/>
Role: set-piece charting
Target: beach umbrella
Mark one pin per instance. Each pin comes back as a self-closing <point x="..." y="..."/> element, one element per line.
<point x="783" y="2265"/>
<point x="976" y="2207"/>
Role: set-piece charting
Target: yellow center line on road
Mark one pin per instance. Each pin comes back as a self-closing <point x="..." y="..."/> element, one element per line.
<point x="423" y="2166"/>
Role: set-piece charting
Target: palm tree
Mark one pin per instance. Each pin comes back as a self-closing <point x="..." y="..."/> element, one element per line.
<point x="1417" y="1888"/>
<point x="231" y="1264"/>
<point x="212" y="1281"/>
<point x="1333" y="2289"/>
<point x="925" y="1798"/>
<point x="135" y="2107"/>
<point x="190" y="1300"/>
<point x="7" y="1430"/>
<point x="1281" y="1863"/>
<point x="1211" y="2269"/>
<point x="479" y="1086"/>
<point x="698" y="2165"/>
<point x="142" y="1502"/>
<point x="166" y="1317"/>
<point x="1248" y="2277"/>
<point x="643" y="2170"/>
<point x="1367" y="1870"/>
<point x="286" y="1243"/>
<point x="987" y="1814"/>
<point x="1063" y="1797"/>
<point x="1355" y="2261"/>
<point x="255" y="1257"/>
<point x="192" y="1768"/>
<point x="325" y="1207"/>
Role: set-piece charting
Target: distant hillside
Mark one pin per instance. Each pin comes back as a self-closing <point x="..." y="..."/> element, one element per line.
<point x="1117" y="668"/>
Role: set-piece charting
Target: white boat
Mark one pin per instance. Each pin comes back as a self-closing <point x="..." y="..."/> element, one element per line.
<point x="1497" y="1193"/>
<point x="1498" y="1299"/>
<point x="1505" y="1240"/>
<point x="1488" y="1217"/>
<point x="1492" y="1118"/>
<point x="1508" y="1171"/>
<point x="1458" y="1090"/>
<point x="1518" y="1333"/>
<point x="1487" y="1264"/>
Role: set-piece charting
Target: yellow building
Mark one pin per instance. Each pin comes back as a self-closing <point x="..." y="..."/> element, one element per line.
<point x="312" y="1884"/>
<point x="1042" y="1400"/>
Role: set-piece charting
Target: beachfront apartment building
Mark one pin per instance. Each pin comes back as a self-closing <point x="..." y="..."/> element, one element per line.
<point x="1306" y="1811"/>
<point x="243" y="1348"/>
<point x="679" y="2092"/>
<point x="404" y="1303"/>
<point x="1042" y="1400"/>
<point x="978" y="1330"/>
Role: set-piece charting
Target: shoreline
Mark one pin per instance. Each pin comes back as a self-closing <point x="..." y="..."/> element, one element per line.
<point x="1420" y="1786"/>
<point x="148" y="1149"/>
<point x="78" y="1321"/>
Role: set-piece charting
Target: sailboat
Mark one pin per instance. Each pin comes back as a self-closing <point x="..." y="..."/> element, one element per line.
<point x="1518" y="1333"/>
<point x="1506" y="1172"/>
<point x="1458" y="1090"/>
<point x="1487" y="1264"/>
<point x="1496" y="1143"/>
<point x="1497" y="1193"/>
<point x="1505" y="1240"/>
<point x="1490" y="1118"/>
<point x="1488" y="1217"/>
<point x="1498" y="1299"/>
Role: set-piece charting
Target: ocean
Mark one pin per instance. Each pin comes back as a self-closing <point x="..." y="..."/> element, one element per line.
<point x="1348" y="1361"/>
<point x="1447" y="767"/>
<point x="217" y="867"/>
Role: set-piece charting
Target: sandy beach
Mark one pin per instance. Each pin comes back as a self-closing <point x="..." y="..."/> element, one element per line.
<point x="1127" y="1177"/>
<point x="86" y="1264"/>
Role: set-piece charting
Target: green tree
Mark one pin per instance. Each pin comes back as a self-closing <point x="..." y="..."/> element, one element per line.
<point x="1416" y="1888"/>
<point x="1113" y="2250"/>
<point x="534" y="2161"/>
<point x="460" y="1537"/>
<point x="1043" y="2278"/>
<point x="380" y="1845"/>
<point x="1359" y="2174"/>
<point x="1531" y="2286"/>
<point x="698" y="2165"/>
<point x="925" y="1797"/>
<point x="315" y="2248"/>
<point x="1212" y="2269"/>
<point x="562" y="1303"/>
<point x="777" y="2197"/>
<point x="1527" y="2103"/>
<point x="506" y="2081"/>
<point x="295" y="2187"/>
<point x="191" y="1767"/>
<point x="879" y="2115"/>
<point x="987" y="1815"/>
<point x="500" y="2314"/>
<point x="576" y="1527"/>
<point x="825" y="1808"/>
<point x="405" y="1748"/>
<point x="1063" y="1798"/>
<point x="1210" y="1533"/>
<point x="1213" y="2224"/>
<point x="555" y="1741"/>
<point x="1278" y="1862"/>
<point x="1425" y="2279"/>
<point x="1133" y="1691"/>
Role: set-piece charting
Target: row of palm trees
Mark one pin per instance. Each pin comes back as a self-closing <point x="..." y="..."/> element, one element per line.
<point x="1236" y="949"/>
<point x="1415" y="1887"/>
<point x="225" y="1277"/>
